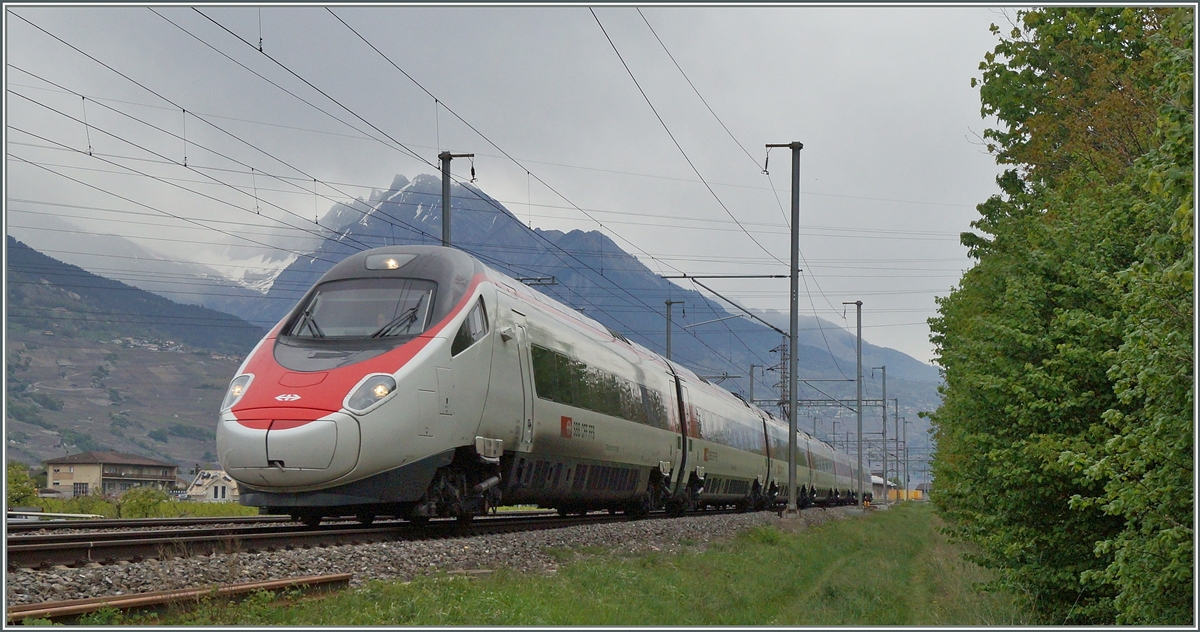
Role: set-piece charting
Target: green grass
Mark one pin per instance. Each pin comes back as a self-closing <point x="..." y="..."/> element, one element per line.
<point x="165" y="509"/>
<point x="891" y="568"/>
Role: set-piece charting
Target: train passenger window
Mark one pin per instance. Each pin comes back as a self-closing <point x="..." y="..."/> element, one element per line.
<point x="565" y="380"/>
<point x="473" y="328"/>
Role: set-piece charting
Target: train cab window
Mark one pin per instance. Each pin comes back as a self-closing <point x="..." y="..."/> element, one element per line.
<point x="473" y="328"/>
<point x="365" y="309"/>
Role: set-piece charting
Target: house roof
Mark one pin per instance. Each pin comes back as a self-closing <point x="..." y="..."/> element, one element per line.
<point x="113" y="458"/>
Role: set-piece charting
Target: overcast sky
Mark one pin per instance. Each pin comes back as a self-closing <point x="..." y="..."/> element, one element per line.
<point x="892" y="165"/>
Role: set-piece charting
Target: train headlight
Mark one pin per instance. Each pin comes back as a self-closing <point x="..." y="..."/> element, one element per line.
<point x="237" y="388"/>
<point x="388" y="262"/>
<point x="370" y="392"/>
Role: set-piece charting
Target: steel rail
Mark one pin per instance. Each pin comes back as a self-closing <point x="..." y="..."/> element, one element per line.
<point x="46" y="539"/>
<point x="46" y="552"/>
<point x="71" y="610"/>
<point x="192" y="521"/>
<point x="128" y="523"/>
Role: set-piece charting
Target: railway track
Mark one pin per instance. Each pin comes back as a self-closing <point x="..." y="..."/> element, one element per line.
<point x="71" y="611"/>
<point x="443" y="546"/>
<point x="79" y="549"/>
<point x="136" y="523"/>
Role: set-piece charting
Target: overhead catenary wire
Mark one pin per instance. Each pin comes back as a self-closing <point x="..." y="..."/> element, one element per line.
<point x="500" y="264"/>
<point x="672" y="136"/>
<point x="766" y="228"/>
<point x="367" y="137"/>
<point x="132" y="201"/>
<point x="214" y="152"/>
<point x="786" y="221"/>
<point x="172" y="162"/>
<point x="676" y="142"/>
<point x="147" y="175"/>
<point x="601" y="224"/>
<point x="481" y="135"/>
<point x="735" y="140"/>
<point x="518" y="163"/>
<point x="694" y="88"/>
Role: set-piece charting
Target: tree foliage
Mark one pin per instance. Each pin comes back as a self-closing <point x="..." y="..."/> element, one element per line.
<point x="141" y="502"/>
<point x="19" y="488"/>
<point x="1064" y="441"/>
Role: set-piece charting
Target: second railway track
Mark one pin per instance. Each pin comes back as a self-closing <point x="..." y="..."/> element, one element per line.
<point x="81" y="548"/>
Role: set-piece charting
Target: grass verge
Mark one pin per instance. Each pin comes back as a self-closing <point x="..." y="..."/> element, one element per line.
<point x="890" y="568"/>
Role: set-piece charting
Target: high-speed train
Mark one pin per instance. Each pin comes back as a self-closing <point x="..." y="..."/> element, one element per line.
<point x="413" y="381"/>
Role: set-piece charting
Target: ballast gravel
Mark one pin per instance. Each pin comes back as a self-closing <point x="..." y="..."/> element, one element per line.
<point x="525" y="552"/>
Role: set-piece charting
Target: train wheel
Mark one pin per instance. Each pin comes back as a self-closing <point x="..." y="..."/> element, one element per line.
<point x="640" y="508"/>
<point x="365" y="518"/>
<point x="465" y="518"/>
<point x="675" y="507"/>
<point x="563" y="512"/>
<point x="310" y="520"/>
<point x="419" y="520"/>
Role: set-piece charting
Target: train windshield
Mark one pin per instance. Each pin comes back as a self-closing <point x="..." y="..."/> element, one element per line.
<point x="365" y="309"/>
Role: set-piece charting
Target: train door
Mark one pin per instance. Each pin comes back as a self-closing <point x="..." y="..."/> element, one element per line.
<point x="676" y="451"/>
<point x="766" y="481"/>
<point x="686" y="449"/>
<point x="524" y="361"/>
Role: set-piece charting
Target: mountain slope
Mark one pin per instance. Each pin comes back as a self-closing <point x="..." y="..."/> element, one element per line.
<point x="46" y="294"/>
<point x="92" y="363"/>
<point x="118" y="258"/>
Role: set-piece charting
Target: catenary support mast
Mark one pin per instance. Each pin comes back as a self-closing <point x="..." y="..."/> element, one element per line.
<point x="445" y="157"/>
<point x="792" y="509"/>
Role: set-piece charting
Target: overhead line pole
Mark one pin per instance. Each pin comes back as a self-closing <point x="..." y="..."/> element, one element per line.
<point x="904" y="429"/>
<point x="883" y="429"/>
<point x="859" y="376"/>
<point x="792" y="510"/>
<point x="669" y="304"/>
<point x="445" y="157"/>
<point x="896" y="427"/>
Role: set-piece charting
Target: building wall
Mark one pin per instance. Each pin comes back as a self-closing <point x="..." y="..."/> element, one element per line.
<point x="75" y="480"/>
<point x="109" y="479"/>
<point x="213" y="486"/>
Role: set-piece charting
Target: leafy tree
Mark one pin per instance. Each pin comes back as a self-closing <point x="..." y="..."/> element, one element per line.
<point x="1065" y="423"/>
<point x="19" y="488"/>
<point x="1147" y="464"/>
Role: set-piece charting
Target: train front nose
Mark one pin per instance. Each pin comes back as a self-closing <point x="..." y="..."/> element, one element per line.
<point x="288" y="447"/>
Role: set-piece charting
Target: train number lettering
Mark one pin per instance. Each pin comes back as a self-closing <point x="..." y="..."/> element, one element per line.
<point x="576" y="430"/>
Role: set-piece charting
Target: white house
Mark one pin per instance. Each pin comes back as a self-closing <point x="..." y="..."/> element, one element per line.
<point x="213" y="486"/>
